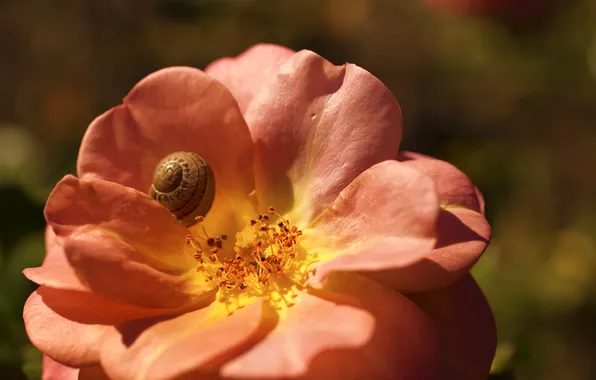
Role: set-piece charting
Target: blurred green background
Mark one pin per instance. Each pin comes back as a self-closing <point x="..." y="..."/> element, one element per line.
<point x="509" y="100"/>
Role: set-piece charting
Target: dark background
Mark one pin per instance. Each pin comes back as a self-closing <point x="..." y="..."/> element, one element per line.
<point x="511" y="100"/>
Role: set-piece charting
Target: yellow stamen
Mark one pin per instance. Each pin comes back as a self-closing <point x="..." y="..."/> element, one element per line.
<point x="264" y="253"/>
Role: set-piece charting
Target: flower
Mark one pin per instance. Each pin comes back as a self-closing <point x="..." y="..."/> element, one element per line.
<point x="326" y="253"/>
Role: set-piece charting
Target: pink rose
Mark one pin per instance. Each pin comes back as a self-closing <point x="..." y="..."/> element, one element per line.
<point x="325" y="252"/>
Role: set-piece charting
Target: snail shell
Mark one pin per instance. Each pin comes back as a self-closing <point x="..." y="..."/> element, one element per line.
<point x="185" y="185"/>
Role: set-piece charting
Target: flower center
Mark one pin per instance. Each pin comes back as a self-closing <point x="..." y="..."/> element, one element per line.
<point x="268" y="258"/>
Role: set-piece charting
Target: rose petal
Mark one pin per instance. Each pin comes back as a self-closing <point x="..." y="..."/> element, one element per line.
<point x="89" y="308"/>
<point x="52" y="370"/>
<point x="69" y="342"/>
<point x="316" y="127"/>
<point x="123" y="245"/>
<point x="172" y="110"/>
<point x="385" y="219"/>
<point x="462" y="237"/>
<point x="453" y="186"/>
<point x="55" y="271"/>
<point x="466" y="328"/>
<point x="63" y="292"/>
<point x="354" y="329"/>
<point x="462" y="231"/>
<point x="194" y="342"/>
<point x="245" y="74"/>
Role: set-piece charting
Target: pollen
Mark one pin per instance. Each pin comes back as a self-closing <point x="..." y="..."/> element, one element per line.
<point x="264" y="251"/>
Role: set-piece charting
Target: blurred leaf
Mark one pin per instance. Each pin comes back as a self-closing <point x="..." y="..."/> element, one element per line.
<point x="19" y="216"/>
<point x="32" y="362"/>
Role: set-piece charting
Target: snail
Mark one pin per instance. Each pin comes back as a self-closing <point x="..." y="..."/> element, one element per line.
<point x="185" y="185"/>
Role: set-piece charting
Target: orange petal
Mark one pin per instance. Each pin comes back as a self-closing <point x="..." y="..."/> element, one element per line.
<point x="123" y="245"/>
<point x="353" y="329"/>
<point x="385" y="219"/>
<point x="453" y="187"/>
<point x="197" y="342"/>
<point x="466" y="328"/>
<point x="316" y="127"/>
<point x="52" y="370"/>
<point x="61" y="339"/>
<point x="245" y="74"/>
<point x="462" y="237"/>
<point x="90" y="308"/>
<point x="463" y="232"/>
<point x="172" y="110"/>
<point x="55" y="271"/>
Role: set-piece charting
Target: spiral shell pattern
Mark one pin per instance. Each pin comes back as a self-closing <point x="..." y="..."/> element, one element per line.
<point x="185" y="185"/>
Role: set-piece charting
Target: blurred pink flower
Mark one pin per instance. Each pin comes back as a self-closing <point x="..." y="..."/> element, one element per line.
<point x="367" y="273"/>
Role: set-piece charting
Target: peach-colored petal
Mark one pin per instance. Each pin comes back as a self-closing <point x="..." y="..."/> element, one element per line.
<point x="90" y="308"/>
<point x="466" y="329"/>
<point x="174" y="109"/>
<point x="453" y="187"/>
<point x="316" y="127"/>
<point x="245" y="74"/>
<point x="68" y="342"/>
<point x="462" y="237"/>
<point x="462" y="230"/>
<point x="63" y="292"/>
<point x="384" y="219"/>
<point x="353" y="329"/>
<point x="52" y="370"/>
<point x="123" y="245"/>
<point x="55" y="270"/>
<point x="196" y="342"/>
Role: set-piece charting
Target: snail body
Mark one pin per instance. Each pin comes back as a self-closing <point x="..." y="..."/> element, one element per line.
<point x="185" y="185"/>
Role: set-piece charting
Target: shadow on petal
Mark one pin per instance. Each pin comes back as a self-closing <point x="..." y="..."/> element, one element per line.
<point x="354" y="328"/>
<point x="89" y="308"/>
<point x="199" y="342"/>
<point x="466" y="328"/>
<point x="462" y="237"/>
